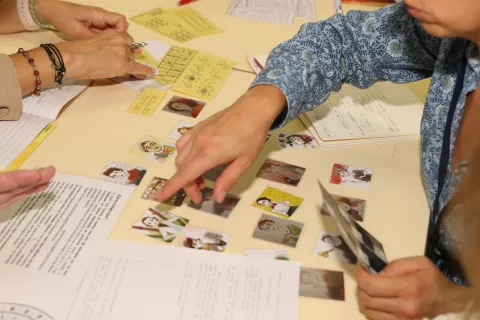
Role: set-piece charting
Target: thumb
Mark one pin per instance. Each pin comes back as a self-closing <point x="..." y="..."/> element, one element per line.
<point x="228" y="178"/>
<point x="406" y="266"/>
<point x="140" y="70"/>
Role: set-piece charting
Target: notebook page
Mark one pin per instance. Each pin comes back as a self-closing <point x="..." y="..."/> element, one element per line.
<point x="51" y="101"/>
<point x="384" y="110"/>
<point x="15" y="136"/>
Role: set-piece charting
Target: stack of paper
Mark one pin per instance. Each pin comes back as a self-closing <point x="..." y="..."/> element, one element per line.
<point x="274" y="11"/>
<point x="39" y="113"/>
<point x="181" y="24"/>
<point x="386" y="111"/>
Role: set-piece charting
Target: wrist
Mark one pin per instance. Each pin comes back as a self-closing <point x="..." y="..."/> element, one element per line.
<point x="455" y="299"/>
<point x="44" y="10"/>
<point x="69" y="60"/>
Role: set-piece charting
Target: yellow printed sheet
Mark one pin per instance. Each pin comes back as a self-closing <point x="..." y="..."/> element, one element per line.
<point x="173" y="64"/>
<point x="147" y="102"/>
<point x="145" y="56"/>
<point x="204" y="76"/>
<point x="181" y="24"/>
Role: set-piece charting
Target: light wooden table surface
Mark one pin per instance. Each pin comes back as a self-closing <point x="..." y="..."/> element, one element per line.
<point x="96" y="128"/>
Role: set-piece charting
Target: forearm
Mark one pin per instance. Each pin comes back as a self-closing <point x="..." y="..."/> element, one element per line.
<point x="10" y="22"/>
<point x="455" y="300"/>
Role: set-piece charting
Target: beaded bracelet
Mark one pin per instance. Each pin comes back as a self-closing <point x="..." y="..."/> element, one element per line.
<point x="36" y="73"/>
<point x="55" y="55"/>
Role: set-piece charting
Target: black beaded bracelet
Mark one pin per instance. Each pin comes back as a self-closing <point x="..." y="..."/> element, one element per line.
<point x="57" y="61"/>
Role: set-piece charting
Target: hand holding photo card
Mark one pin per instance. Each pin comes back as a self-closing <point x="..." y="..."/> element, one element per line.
<point x="204" y="239"/>
<point x="123" y="173"/>
<point x="278" y="230"/>
<point x="184" y="106"/>
<point x="160" y="224"/>
<point x="154" y="149"/>
<point x="354" y="207"/>
<point x="180" y="129"/>
<point x="281" y="172"/>
<point x="267" y="254"/>
<point x="331" y="245"/>
<point x="353" y="235"/>
<point x="296" y="140"/>
<point x="323" y="284"/>
<point x="278" y="202"/>
<point x="209" y="205"/>
<point x="351" y="176"/>
<point x="155" y="185"/>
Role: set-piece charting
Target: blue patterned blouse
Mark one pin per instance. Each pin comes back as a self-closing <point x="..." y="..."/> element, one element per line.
<point x="362" y="48"/>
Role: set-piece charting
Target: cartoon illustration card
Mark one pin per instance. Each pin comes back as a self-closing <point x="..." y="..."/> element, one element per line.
<point x="351" y="176"/>
<point x="209" y="205"/>
<point x="214" y="173"/>
<point x="180" y="129"/>
<point x="353" y="206"/>
<point x="155" y="185"/>
<point x="364" y="246"/>
<point x="184" y="106"/>
<point x="204" y="239"/>
<point x="267" y="254"/>
<point x="331" y="245"/>
<point x="123" y="173"/>
<point x="323" y="284"/>
<point x="281" y="172"/>
<point x="278" y="230"/>
<point x="296" y="140"/>
<point x="160" y="224"/>
<point x="278" y="202"/>
<point x="154" y="149"/>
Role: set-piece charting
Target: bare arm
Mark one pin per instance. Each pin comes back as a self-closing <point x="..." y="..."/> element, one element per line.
<point x="9" y="17"/>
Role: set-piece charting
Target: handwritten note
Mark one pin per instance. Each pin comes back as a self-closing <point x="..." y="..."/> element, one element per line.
<point x="147" y="102"/>
<point x="204" y="76"/>
<point x="384" y="110"/>
<point x="173" y="64"/>
<point x="181" y="24"/>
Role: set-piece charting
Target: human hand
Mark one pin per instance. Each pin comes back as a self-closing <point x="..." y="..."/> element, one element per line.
<point x="410" y="288"/>
<point x="79" y="21"/>
<point x="233" y="136"/>
<point x="17" y="185"/>
<point x="106" y="55"/>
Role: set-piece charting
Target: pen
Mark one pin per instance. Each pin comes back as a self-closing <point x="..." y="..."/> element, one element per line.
<point x="258" y="64"/>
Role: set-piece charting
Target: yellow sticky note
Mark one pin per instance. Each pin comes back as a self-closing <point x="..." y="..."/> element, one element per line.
<point x="182" y="24"/>
<point x="147" y="102"/>
<point x="204" y="76"/>
<point x="173" y="64"/>
<point x="145" y="57"/>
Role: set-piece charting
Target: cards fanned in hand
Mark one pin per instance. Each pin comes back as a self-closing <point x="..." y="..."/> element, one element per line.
<point x="353" y="206"/>
<point x="368" y="250"/>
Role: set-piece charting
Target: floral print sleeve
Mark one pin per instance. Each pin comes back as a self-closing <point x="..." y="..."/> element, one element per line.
<point x="359" y="48"/>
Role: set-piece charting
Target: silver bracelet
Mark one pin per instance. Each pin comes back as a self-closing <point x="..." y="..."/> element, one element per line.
<point x="33" y="12"/>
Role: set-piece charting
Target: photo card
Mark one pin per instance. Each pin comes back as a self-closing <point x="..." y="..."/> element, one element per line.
<point x="353" y="206"/>
<point x="180" y="129"/>
<point x="123" y="173"/>
<point x="204" y="239"/>
<point x="184" y="106"/>
<point x="160" y="224"/>
<point x="296" y="140"/>
<point x="278" y="202"/>
<point x="155" y="185"/>
<point x="323" y="284"/>
<point x="281" y="172"/>
<point x="154" y="149"/>
<point x="277" y="230"/>
<point x="209" y="205"/>
<point x="351" y="176"/>
<point x="355" y="236"/>
<point x="331" y="245"/>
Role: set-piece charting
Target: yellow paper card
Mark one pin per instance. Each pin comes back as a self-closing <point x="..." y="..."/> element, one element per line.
<point x="195" y="22"/>
<point x="147" y="102"/>
<point x="173" y="64"/>
<point x="145" y="57"/>
<point x="204" y="76"/>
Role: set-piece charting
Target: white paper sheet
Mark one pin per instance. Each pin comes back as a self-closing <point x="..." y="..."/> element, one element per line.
<point x="51" y="101"/>
<point x="280" y="12"/>
<point x="184" y="284"/>
<point x="306" y="10"/>
<point x="48" y="241"/>
<point x="382" y="111"/>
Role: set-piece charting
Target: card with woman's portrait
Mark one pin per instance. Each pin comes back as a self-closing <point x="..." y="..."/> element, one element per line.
<point x="184" y="106"/>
